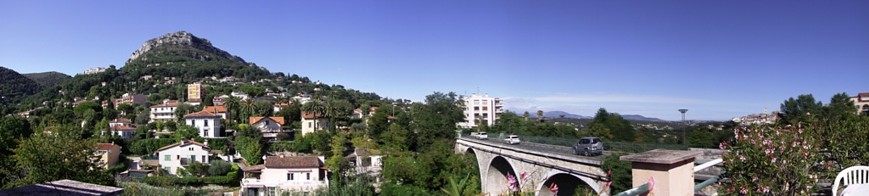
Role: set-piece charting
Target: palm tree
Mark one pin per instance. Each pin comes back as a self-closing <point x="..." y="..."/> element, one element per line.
<point x="314" y="106"/>
<point x="247" y="107"/>
<point x="456" y="188"/>
<point x="526" y="115"/>
<point x="231" y="105"/>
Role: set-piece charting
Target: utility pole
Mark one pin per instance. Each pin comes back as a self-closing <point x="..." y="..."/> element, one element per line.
<point x="684" y="140"/>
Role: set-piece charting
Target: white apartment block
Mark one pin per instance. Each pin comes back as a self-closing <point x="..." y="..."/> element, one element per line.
<point x="206" y="122"/>
<point x="481" y="110"/>
<point x="285" y="174"/>
<point x="164" y="111"/>
<point x="181" y="154"/>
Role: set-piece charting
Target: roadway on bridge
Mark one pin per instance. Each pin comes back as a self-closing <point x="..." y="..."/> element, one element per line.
<point x="554" y="149"/>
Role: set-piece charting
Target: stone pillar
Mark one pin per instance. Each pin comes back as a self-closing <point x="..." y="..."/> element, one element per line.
<point x="672" y="170"/>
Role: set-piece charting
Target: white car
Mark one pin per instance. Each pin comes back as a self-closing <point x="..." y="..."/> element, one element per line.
<point x="482" y="135"/>
<point x="512" y="139"/>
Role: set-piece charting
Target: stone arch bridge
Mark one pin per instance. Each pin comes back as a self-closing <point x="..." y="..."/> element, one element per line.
<point x="534" y="166"/>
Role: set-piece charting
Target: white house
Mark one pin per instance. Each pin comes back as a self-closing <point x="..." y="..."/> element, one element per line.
<point x="269" y="126"/>
<point x="367" y="163"/>
<point x="280" y="174"/>
<point x="311" y="122"/>
<point x="122" y="131"/>
<point x="164" y="111"/>
<point x="178" y="155"/>
<point x="121" y="122"/>
<point x="239" y="95"/>
<point x="206" y="122"/>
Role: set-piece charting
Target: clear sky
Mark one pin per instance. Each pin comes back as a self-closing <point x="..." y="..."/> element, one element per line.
<point x="719" y="59"/>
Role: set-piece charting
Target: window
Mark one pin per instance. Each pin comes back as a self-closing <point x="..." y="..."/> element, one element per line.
<point x="177" y="157"/>
<point x="309" y="175"/>
<point x="267" y="122"/>
<point x="204" y="160"/>
<point x="193" y="123"/>
<point x="289" y="176"/>
<point x="206" y="133"/>
<point x="271" y="191"/>
<point x="192" y="158"/>
<point x="486" y="108"/>
<point x="190" y="149"/>
<point x="167" y="157"/>
<point x="309" y="124"/>
<point x="206" y="123"/>
<point x="476" y="108"/>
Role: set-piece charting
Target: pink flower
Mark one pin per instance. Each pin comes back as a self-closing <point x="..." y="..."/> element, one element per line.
<point x="511" y="181"/>
<point x="741" y="158"/>
<point x="743" y="191"/>
<point x="773" y="159"/>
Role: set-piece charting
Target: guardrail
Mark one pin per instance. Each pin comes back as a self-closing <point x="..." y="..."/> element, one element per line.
<point x="627" y="147"/>
<point x="709" y="181"/>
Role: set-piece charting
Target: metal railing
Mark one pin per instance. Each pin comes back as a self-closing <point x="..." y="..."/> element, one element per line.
<point x="635" y="191"/>
<point x="709" y="181"/>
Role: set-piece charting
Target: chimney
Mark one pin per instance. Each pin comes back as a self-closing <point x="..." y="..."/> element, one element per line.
<point x="206" y="142"/>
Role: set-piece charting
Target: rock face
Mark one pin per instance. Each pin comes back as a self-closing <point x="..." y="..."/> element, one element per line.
<point x="183" y="38"/>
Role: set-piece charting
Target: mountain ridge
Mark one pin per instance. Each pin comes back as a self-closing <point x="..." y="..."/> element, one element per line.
<point x="47" y="79"/>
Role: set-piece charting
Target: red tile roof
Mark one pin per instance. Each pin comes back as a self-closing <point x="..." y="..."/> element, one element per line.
<point x="255" y="119"/>
<point x="105" y="146"/>
<point x="292" y="162"/>
<point x="863" y="94"/>
<point x="122" y="128"/>
<point x="170" y="103"/>
<point x="182" y="143"/>
<point x="202" y="114"/>
<point x="215" y="109"/>
<point x="310" y="115"/>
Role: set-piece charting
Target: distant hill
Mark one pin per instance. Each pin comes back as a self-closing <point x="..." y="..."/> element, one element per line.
<point x="47" y="79"/>
<point x="557" y="114"/>
<point x="635" y="117"/>
<point x="14" y="85"/>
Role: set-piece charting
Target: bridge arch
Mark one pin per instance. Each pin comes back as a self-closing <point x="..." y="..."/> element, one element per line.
<point x="567" y="183"/>
<point x="496" y="176"/>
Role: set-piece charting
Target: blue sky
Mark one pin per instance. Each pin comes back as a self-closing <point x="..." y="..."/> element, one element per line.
<point x="719" y="59"/>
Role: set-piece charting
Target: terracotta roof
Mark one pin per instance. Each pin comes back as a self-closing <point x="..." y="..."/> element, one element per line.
<point x="122" y="128"/>
<point x="170" y="103"/>
<point x="122" y="120"/>
<point x="182" y="143"/>
<point x="256" y="119"/>
<point x="863" y="94"/>
<point x="292" y="162"/>
<point x="215" y="109"/>
<point x="201" y="114"/>
<point x="255" y="168"/>
<point x="310" y="115"/>
<point x="105" y="146"/>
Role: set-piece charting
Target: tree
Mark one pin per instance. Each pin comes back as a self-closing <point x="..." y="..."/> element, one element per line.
<point x="246" y="109"/>
<point x="437" y="118"/>
<point x="219" y="168"/>
<point x="316" y="107"/>
<point x="336" y="163"/>
<point x="63" y="154"/>
<point x="799" y="109"/>
<point x="232" y="107"/>
<point x="186" y="132"/>
<point x="526" y="115"/>
<point x="12" y="130"/>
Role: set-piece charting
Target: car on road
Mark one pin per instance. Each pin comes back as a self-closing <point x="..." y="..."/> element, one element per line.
<point x="512" y="139"/>
<point x="588" y="146"/>
<point x="480" y="135"/>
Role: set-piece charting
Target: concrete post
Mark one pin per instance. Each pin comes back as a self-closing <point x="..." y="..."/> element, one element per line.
<point x="672" y="170"/>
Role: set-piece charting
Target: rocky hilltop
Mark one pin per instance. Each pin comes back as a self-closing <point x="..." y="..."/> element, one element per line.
<point x="183" y="38"/>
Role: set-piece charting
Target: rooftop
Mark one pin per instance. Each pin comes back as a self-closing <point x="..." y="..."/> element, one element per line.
<point x="292" y="162"/>
<point x="64" y="187"/>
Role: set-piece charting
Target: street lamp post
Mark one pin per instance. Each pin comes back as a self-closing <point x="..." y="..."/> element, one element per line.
<point x="684" y="140"/>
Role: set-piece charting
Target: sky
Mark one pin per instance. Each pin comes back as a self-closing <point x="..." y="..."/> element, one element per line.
<point x="719" y="59"/>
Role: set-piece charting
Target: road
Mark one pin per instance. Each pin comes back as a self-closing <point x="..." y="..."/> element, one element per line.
<point x="561" y="150"/>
